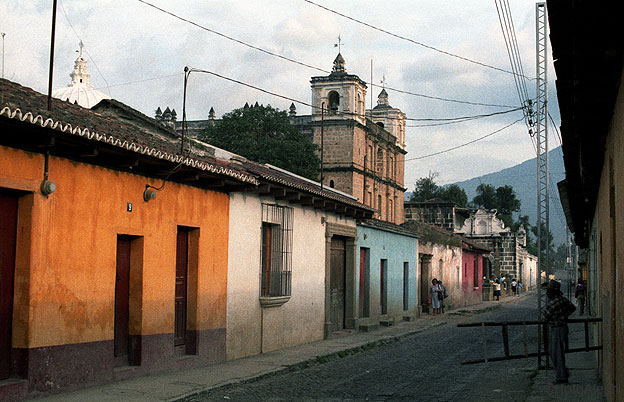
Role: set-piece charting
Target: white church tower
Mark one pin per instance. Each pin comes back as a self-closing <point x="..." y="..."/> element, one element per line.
<point x="79" y="90"/>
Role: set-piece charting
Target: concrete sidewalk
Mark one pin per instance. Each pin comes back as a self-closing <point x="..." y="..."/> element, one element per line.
<point x="182" y="384"/>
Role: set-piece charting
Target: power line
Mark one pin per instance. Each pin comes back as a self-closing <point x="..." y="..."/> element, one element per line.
<point x="144" y="80"/>
<point x="192" y="69"/>
<point x="409" y="40"/>
<point x="231" y="38"/>
<point x="464" y="144"/>
<point x="85" y="49"/>
<point x="311" y="66"/>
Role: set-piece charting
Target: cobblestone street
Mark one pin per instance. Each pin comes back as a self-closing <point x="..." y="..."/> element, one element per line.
<point x="424" y="366"/>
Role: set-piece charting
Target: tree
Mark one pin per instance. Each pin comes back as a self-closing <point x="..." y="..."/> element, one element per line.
<point x="264" y="134"/>
<point x="486" y="196"/>
<point x="426" y="188"/>
<point x="453" y="193"/>
<point x="506" y="204"/>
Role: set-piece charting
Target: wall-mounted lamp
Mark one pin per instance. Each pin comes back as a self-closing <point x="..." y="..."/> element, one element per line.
<point x="47" y="187"/>
<point x="149" y="194"/>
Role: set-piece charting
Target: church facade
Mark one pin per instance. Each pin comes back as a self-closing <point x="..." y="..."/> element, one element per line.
<point x="363" y="151"/>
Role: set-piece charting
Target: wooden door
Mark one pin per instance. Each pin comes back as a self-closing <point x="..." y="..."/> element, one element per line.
<point x="8" y="229"/>
<point x="362" y="283"/>
<point x="122" y="300"/>
<point x="337" y="283"/>
<point x="180" y="287"/>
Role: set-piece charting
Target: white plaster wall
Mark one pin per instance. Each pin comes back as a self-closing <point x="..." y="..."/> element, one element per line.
<point x="243" y="283"/>
<point x="252" y="329"/>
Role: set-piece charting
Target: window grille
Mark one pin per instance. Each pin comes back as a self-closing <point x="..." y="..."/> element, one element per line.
<point x="276" y="250"/>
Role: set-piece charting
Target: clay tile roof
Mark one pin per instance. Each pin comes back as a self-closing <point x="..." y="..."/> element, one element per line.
<point x="279" y="176"/>
<point x="30" y="107"/>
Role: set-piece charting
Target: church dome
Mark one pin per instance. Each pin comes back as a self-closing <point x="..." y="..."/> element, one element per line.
<point x="79" y="90"/>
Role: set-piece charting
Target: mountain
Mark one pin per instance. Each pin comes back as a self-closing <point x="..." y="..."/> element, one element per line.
<point x="523" y="179"/>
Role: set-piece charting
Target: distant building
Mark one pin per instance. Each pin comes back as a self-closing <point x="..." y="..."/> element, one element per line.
<point x="364" y="149"/>
<point x="509" y="256"/>
<point x="79" y="90"/>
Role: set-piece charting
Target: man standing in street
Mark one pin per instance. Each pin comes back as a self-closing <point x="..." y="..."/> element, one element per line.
<point x="556" y="314"/>
<point x="579" y="293"/>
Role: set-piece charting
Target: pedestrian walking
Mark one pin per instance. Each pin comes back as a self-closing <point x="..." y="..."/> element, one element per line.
<point x="497" y="289"/>
<point x="519" y="288"/>
<point x="556" y="314"/>
<point x="444" y="296"/>
<point x="514" y="286"/>
<point x="435" y="292"/>
<point x="580" y="293"/>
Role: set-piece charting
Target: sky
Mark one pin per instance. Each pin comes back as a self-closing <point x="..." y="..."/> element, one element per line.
<point x="137" y="55"/>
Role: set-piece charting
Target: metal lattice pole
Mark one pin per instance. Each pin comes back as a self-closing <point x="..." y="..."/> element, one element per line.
<point x="542" y="158"/>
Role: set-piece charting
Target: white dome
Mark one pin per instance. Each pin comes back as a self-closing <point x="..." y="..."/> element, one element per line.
<point x="83" y="95"/>
<point x="79" y="89"/>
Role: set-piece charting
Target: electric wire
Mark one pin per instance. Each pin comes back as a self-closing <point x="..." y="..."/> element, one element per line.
<point x="144" y="80"/>
<point x="409" y="39"/>
<point x="319" y="108"/>
<point x="466" y="143"/>
<point x="85" y="48"/>
<point x="309" y="65"/>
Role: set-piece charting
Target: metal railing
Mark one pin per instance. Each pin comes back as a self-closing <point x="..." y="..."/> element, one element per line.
<point x="541" y="324"/>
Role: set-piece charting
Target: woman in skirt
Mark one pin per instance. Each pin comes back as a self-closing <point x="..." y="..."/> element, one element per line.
<point x="435" y="292"/>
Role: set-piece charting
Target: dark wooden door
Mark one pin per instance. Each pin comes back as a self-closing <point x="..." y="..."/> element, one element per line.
<point x="362" y="283"/>
<point x="122" y="300"/>
<point x="180" y="287"/>
<point x="8" y="229"/>
<point x="337" y="283"/>
<point x="383" y="283"/>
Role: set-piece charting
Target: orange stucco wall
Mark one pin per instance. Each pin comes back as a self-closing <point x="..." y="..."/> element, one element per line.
<point x="66" y="254"/>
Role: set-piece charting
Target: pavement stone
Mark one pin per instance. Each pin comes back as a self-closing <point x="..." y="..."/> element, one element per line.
<point x="188" y="383"/>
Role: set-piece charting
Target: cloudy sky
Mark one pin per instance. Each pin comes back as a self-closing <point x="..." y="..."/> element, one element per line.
<point x="137" y="54"/>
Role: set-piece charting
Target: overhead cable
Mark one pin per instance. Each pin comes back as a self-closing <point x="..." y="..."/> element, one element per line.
<point x="344" y="113"/>
<point x="85" y="48"/>
<point x="409" y="39"/>
<point x="311" y="66"/>
<point x="464" y="144"/>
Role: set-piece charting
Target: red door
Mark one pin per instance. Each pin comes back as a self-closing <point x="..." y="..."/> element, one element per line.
<point x="8" y="228"/>
<point x="180" y="287"/>
<point x="122" y="300"/>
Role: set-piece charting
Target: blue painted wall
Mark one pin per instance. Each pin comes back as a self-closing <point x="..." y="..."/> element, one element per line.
<point x="396" y="249"/>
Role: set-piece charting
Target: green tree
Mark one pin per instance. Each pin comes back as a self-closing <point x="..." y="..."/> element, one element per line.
<point x="506" y="204"/>
<point x="486" y="196"/>
<point x="453" y="193"/>
<point x="426" y="188"/>
<point x="264" y="134"/>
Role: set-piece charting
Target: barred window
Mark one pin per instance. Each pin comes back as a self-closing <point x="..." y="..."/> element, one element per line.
<point x="276" y="250"/>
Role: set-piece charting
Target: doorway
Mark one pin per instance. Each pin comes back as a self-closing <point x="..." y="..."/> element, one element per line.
<point x="8" y="231"/>
<point x="337" y="283"/>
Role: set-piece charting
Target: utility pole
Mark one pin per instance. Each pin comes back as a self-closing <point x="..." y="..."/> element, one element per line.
<point x="541" y="134"/>
<point x="3" y="53"/>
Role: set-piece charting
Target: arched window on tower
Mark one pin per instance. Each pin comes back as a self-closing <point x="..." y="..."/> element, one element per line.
<point x="334" y="102"/>
<point x="331" y="183"/>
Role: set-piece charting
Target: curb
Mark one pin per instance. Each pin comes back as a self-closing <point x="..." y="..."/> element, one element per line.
<point x="317" y="360"/>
